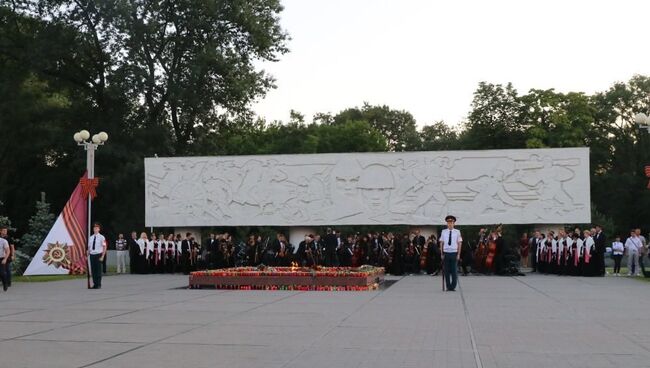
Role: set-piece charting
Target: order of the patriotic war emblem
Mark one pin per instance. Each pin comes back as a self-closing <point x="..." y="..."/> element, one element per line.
<point x="57" y="255"/>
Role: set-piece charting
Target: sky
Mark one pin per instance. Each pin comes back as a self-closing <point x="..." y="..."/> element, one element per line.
<point x="427" y="57"/>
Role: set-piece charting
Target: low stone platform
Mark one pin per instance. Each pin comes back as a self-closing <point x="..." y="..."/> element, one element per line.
<point x="290" y="278"/>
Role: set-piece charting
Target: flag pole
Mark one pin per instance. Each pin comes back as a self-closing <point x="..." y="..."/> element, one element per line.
<point x="82" y="139"/>
<point x="90" y="168"/>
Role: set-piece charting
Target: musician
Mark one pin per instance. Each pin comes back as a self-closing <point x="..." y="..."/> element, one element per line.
<point x="223" y="253"/>
<point x="282" y="251"/>
<point x="481" y="251"/>
<point x="178" y="241"/>
<point x="252" y="250"/>
<point x="450" y="245"/>
<point x="377" y="246"/>
<point x="159" y="250"/>
<point x="532" y="248"/>
<point x="151" y="253"/>
<point x="561" y="252"/>
<point x="589" y="249"/>
<point x="187" y="247"/>
<point x="499" y="256"/>
<point x="142" y="253"/>
<point x="411" y="258"/>
<point x="600" y="241"/>
<point x="132" y="245"/>
<point x="331" y="244"/>
<point x="211" y="248"/>
<point x="346" y="251"/>
<point x="397" y="266"/>
<point x="524" y="247"/>
<point x="433" y="256"/>
<point x="306" y="250"/>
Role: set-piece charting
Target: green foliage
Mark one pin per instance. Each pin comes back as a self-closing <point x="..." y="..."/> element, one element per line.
<point x="439" y="137"/>
<point x="495" y="119"/>
<point x="397" y="126"/>
<point x="178" y="78"/>
<point x="39" y="226"/>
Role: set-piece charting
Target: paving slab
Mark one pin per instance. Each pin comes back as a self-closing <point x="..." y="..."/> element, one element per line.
<point x="154" y="321"/>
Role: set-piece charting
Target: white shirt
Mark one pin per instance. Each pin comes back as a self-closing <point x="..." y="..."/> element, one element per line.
<point x="455" y="239"/>
<point x="617" y="248"/>
<point x="142" y="243"/>
<point x="589" y="242"/>
<point x="633" y="244"/>
<point x="98" y="240"/>
<point x="580" y="243"/>
<point x="4" y="247"/>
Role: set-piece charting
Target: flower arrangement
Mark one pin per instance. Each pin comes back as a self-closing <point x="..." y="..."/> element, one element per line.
<point x="290" y="278"/>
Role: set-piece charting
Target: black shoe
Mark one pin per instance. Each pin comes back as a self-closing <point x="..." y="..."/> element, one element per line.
<point x="4" y="287"/>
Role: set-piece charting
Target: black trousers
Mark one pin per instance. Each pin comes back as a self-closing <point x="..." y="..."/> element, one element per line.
<point x="617" y="262"/>
<point x="96" y="269"/>
<point x="3" y="275"/>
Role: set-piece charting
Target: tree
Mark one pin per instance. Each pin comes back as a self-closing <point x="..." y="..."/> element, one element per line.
<point x="397" y="126"/>
<point x="619" y="152"/>
<point x="182" y="61"/>
<point x="494" y="121"/>
<point x="555" y="119"/>
<point x="39" y="226"/>
<point x="438" y="137"/>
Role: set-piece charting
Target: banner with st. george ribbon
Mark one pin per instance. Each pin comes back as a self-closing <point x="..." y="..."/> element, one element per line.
<point x="63" y="249"/>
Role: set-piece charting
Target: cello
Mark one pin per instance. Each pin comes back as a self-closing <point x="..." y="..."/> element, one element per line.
<point x="481" y="252"/>
<point x="491" y="252"/>
<point x="423" y="256"/>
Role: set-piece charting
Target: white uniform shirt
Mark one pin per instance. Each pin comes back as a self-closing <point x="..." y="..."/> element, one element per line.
<point x="455" y="239"/>
<point x="617" y="248"/>
<point x="96" y="244"/>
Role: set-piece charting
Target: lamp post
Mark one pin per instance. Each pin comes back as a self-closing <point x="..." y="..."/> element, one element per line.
<point x="642" y="119"/>
<point x="82" y="139"/>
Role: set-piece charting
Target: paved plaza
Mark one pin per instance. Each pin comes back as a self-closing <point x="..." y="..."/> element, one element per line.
<point x="149" y="321"/>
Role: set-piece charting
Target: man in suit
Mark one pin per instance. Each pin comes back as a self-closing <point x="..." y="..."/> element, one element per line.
<point x="601" y="245"/>
<point x="187" y="247"/>
<point x="134" y="250"/>
<point x="331" y="244"/>
<point x="212" y="249"/>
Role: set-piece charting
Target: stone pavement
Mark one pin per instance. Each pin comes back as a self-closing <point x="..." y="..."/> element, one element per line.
<point x="146" y="321"/>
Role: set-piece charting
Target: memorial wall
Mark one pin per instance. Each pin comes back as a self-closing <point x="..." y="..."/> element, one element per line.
<point x="416" y="188"/>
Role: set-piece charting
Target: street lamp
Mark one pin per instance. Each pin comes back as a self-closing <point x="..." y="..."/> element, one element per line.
<point x="82" y="139"/>
<point x="642" y="119"/>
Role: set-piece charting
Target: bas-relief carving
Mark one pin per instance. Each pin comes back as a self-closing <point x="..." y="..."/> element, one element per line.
<point x="420" y="188"/>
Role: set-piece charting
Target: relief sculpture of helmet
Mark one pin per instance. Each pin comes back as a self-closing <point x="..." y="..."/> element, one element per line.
<point x="376" y="176"/>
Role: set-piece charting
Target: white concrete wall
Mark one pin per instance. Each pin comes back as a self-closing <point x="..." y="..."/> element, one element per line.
<point x="416" y="188"/>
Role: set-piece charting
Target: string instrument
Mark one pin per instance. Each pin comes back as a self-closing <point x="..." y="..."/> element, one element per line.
<point x="193" y="252"/>
<point x="480" y="253"/>
<point x="357" y="255"/>
<point x="423" y="256"/>
<point x="491" y="250"/>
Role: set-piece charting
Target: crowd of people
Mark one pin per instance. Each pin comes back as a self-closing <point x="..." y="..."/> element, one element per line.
<point x="398" y="253"/>
<point x="582" y="252"/>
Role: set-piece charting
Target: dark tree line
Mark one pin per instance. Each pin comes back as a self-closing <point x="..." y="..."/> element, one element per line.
<point x="178" y="77"/>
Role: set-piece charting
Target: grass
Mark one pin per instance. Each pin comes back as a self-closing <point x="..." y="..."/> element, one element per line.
<point x="610" y="270"/>
<point x="46" y="278"/>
